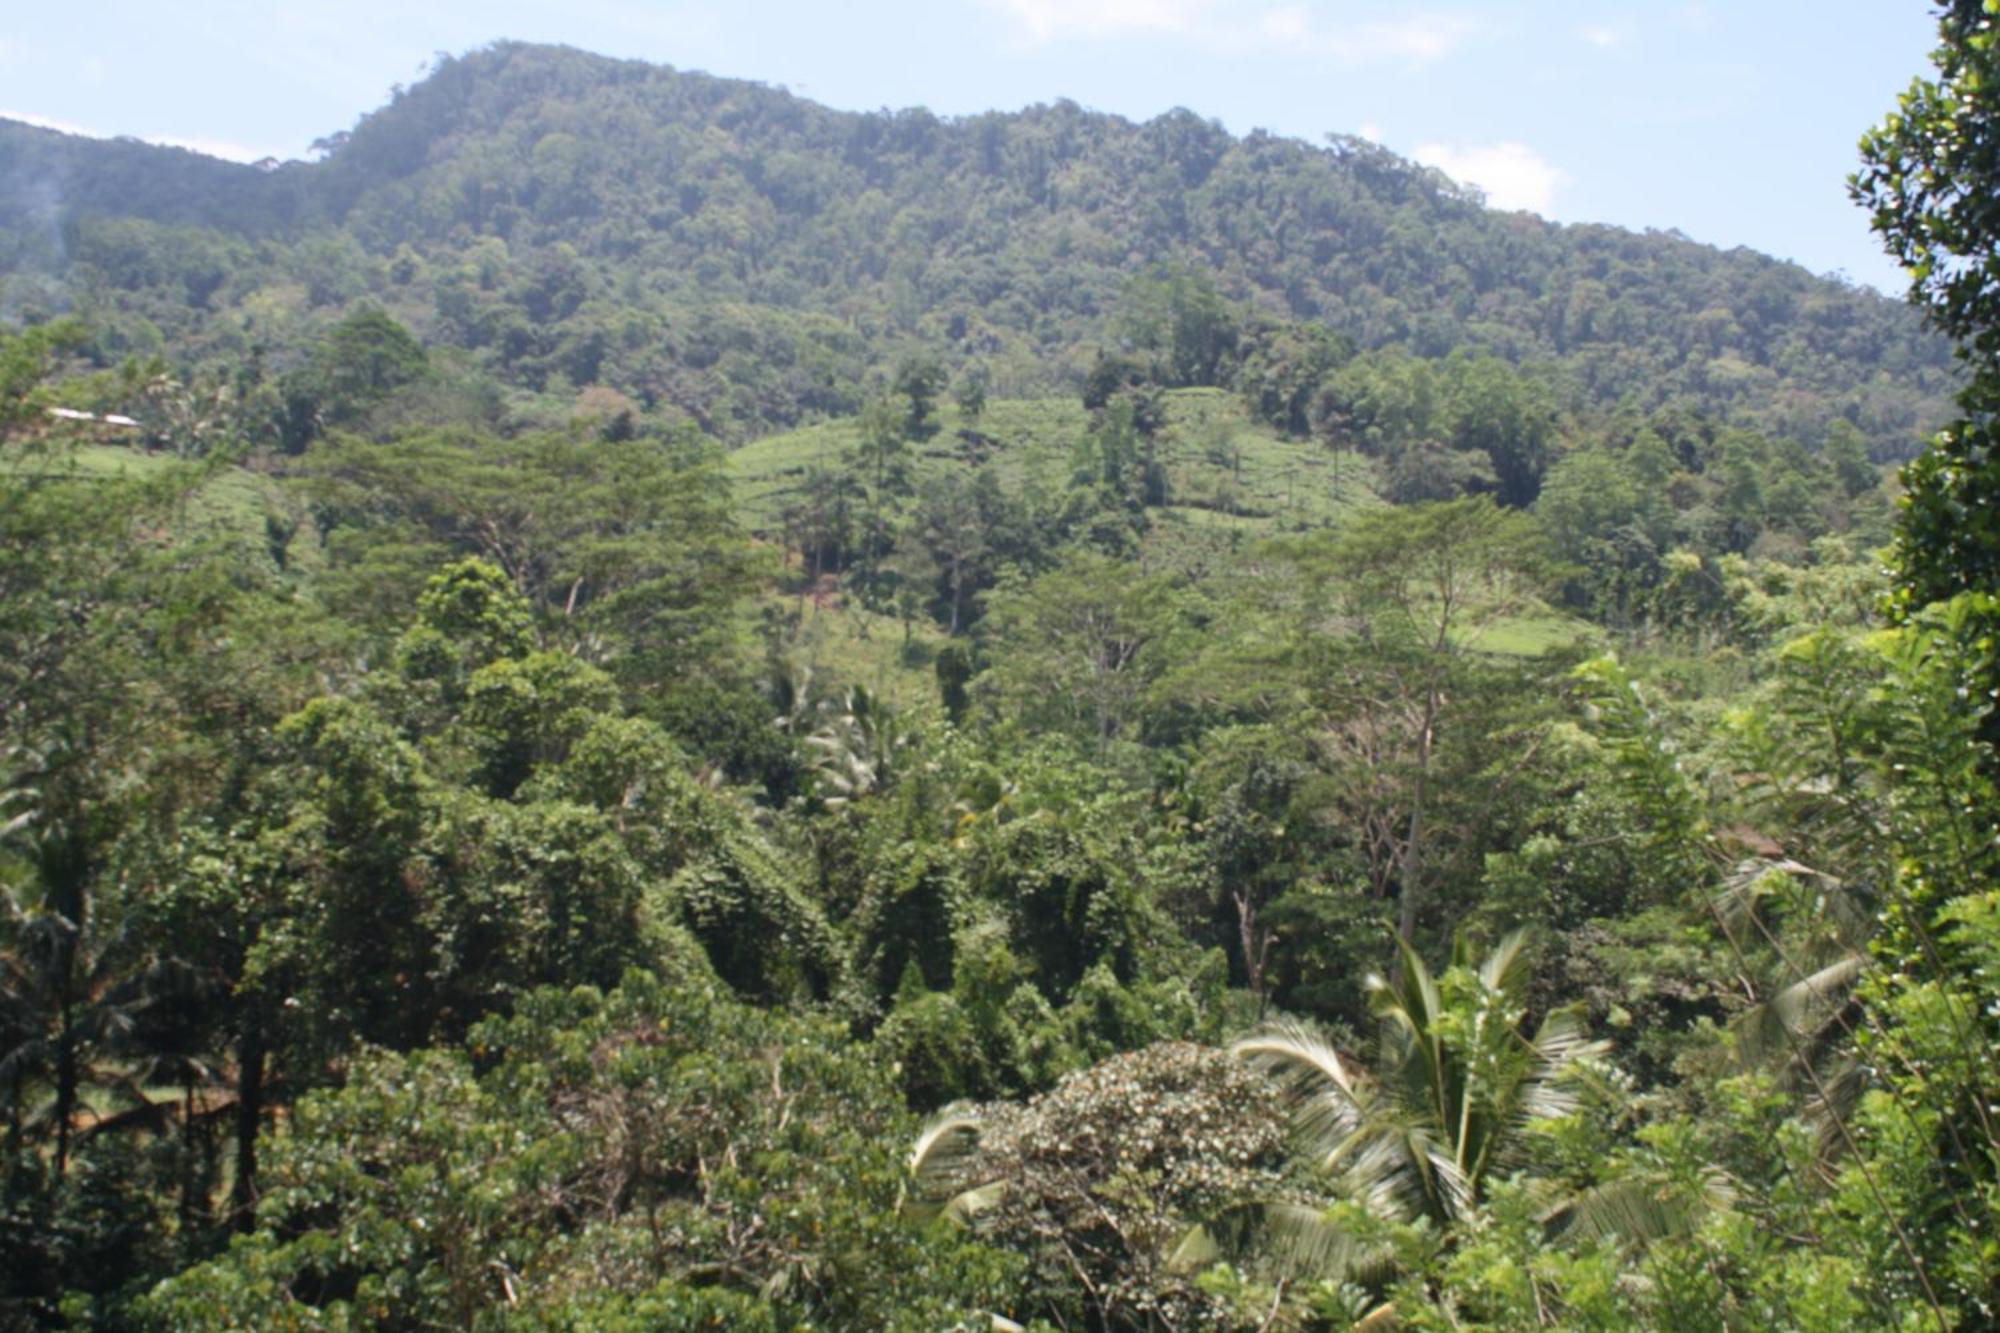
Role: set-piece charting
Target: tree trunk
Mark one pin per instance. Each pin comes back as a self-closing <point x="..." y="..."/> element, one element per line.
<point x="65" y="1088"/>
<point x="249" y="1112"/>
<point x="14" y="1113"/>
<point x="67" y="1076"/>
<point x="1256" y="946"/>
<point x="1410" y="889"/>
<point x="188" y="1170"/>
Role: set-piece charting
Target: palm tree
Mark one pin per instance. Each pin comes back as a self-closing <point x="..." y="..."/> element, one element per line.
<point x="1460" y="1080"/>
<point x="66" y="1006"/>
<point x="856" y="746"/>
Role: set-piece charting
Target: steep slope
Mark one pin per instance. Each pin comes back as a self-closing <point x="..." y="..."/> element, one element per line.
<point x="748" y="256"/>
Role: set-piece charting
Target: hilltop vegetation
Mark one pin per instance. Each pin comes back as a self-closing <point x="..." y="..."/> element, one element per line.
<point x="737" y="254"/>
<point x="680" y="710"/>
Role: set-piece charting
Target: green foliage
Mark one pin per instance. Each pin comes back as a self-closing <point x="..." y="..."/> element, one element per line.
<point x="1921" y="169"/>
<point x="1098" y="1181"/>
<point x="472" y="606"/>
<point x="1083" y="643"/>
<point x="1015" y="740"/>
<point x="1460" y="1080"/>
<point x="1926" y="179"/>
<point x="621" y="547"/>
<point x="364" y="359"/>
<point x="655" y="1157"/>
<point x="521" y="714"/>
<point x="26" y="361"/>
<point x="1662" y="800"/>
<point x="730" y="254"/>
<point x="920" y="381"/>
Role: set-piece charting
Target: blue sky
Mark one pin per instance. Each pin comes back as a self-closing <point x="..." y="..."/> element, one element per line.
<point x="1732" y="120"/>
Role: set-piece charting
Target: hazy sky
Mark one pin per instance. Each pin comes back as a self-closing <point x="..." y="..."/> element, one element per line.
<point x="1733" y="120"/>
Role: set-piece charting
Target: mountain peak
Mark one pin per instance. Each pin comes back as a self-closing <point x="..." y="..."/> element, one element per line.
<point x="629" y="205"/>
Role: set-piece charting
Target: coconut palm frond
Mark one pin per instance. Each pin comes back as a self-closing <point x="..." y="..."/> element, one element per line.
<point x="1626" y="1210"/>
<point x="1326" y="1095"/>
<point x="1639" y="1212"/>
<point x="1299" y="1240"/>
<point x="1805" y="1005"/>
<point x="1562" y="1048"/>
<point x="1748" y="883"/>
<point x="1306" y="1243"/>
<point x="1563" y="1041"/>
<point x="1506" y="967"/>
<point x="1382" y="1319"/>
<point x="1845" y="905"/>
<point x="9" y="827"/>
<point x="944" y="1166"/>
<point x="964" y="1207"/>
<point x="1410" y="1003"/>
<point x="1197" y="1248"/>
<point x="947" y="1145"/>
<point x="1799" y="1013"/>
<point x="1835" y="1096"/>
<point x="1399" y="1170"/>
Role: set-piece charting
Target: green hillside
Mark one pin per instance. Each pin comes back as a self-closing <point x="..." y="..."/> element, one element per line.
<point x="1231" y="483"/>
<point x="732" y="253"/>
<point x="253" y="517"/>
<point x="1225" y="471"/>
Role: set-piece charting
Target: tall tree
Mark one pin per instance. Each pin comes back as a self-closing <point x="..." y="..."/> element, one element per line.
<point x="82" y="597"/>
<point x="1931" y="181"/>
<point x="1418" y="590"/>
<point x="625" y="548"/>
<point x="1079" y="646"/>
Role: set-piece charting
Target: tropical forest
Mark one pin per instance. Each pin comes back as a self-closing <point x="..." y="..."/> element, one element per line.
<point x="631" y="702"/>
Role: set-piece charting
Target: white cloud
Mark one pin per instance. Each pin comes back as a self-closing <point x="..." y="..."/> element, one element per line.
<point x="223" y="148"/>
<point x="1599" y="36"/>
<point x="1419" y="38"/>
<point x="1233" y="26"/>
<point x="1044" y="20"/>
<point x="1512" y="175"/>
<point x="1369" y="131"/>
<point x="1286" y="23"/>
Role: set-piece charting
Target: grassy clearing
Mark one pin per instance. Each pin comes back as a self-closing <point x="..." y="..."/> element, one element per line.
<point x="1224" y="471"/>
<point x="1231" y="471"/>
<point x="1532" y="635"/>
<point x="1028" y="442"/>
<point x="1232" y="483"/>
<point x="231" y="505"/>
<point x="843" y="643"/>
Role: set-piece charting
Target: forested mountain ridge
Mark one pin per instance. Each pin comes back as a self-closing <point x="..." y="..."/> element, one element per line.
<point x="746" y="256"/>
